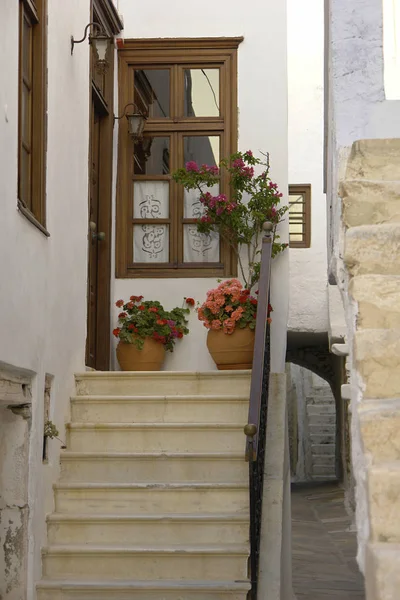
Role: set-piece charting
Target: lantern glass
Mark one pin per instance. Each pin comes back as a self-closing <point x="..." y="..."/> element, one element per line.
<point x="136" y="123"/>
<point x="100" y="43"/>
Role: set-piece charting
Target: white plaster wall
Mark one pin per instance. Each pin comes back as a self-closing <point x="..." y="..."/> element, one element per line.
<point x="308" y="273"/>
<point x="391" y="48"/>
<point x="43" y="280"/>
<point x="262" y="126"/>
<point x="358" y="108"/>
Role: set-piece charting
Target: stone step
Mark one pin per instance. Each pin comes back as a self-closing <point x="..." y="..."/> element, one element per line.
<point x="321" y="399"/>
<point x="373" y="249"/>
<point x="326" y="449"/>
<point x="212" y="562"/>
<point x="369" y="202"/>
<point x="155" y="437"/>
<point x="116" y="467"/>
<point x="377" y="299"/>
<point x="143" y="590"/>
<point x="331" y="477"/>
<point x="321" y="429"/>
<point x="160" y="409"/>
<point x="154" y="530"/>
<point x="152" y="498"/>
<point x="322" y="421"/>
<point x="323" y="460"/>
<point x="163" y="383"/>
<point x="323" y="438"/>
<point x="382" y="571"/>
<point x="325" y="471"/>
<point x="321" y="409"/>
<point x="383" y="489"/>
<point x="374" y="160"/>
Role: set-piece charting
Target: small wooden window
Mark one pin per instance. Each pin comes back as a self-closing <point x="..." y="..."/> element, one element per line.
<point x="188" y="90"/>
<point x="300" y="216"/>
<point x="32" y="111"/>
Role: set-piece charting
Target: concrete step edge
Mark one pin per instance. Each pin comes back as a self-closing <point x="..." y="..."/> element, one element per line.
<point x="176" y="550"/>
<point x="109" y="456"/>
<point x="237" y="374"/>
<point x="159" y="486"/>
<point x="156" y="425"/>
<point x="181" y="585"/>
<point x="189" y="398"/>
<point x="151" y="518"/>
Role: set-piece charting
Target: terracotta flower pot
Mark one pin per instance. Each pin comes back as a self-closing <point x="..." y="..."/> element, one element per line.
<point x="232" y="351"/>
<point x="150" y="358"/>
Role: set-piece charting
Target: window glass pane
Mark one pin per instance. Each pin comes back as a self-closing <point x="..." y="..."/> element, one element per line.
<point x="201" y="92"/>
<point x="152" y="156"/>
<point x="150" y="243"/>
<point x="202" y="149"/>
<point x="296" y="228"/>
<point x="25" y="115"/>
<point x="193" y="208"/>
<point x="25" y="177"/>
<point x="152" y="90"/>
<point x="296" y="203"/>
<point x="27" y="50"/>
<point x="151" y="200"/>
<point x="199" y="247"/>
<point x="297" y="217"/>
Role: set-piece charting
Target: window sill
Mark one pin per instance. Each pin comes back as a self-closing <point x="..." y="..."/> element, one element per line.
<point x="28" y="215"/>
<point x="154" y="273"/>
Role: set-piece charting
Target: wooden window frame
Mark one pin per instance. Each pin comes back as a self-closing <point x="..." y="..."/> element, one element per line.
<point x="304" y="189"/>
<point x="175" y="53"/>
<point x="35" y="208"/>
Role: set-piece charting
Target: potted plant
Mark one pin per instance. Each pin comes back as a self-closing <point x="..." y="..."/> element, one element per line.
<point x="229" y="313"/>
<point x="239" y="219"/>
<point x="145" y="331"/>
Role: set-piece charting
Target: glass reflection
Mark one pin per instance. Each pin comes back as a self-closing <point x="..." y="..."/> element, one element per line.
<point x="152" y="91"/>
<point x="201" y="92"/>
<point x="202" y="149"/>
<point x="152" y="156"/>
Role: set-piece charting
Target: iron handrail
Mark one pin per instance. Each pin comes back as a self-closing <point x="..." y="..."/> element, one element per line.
<point x="255" y="429"/>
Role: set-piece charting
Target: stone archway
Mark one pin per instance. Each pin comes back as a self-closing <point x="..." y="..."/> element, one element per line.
<point x="317" y="359"/>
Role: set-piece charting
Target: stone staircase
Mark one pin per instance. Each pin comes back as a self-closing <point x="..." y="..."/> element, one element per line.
<point x="371" y="216"/>
<point x="153" y="497"/>
<point x="321" y="417"/>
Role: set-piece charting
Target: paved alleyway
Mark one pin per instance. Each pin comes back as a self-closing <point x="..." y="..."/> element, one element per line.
<point x="324" y="566"/>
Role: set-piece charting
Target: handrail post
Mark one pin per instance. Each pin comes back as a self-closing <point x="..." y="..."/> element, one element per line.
<point x="259" y="344"/>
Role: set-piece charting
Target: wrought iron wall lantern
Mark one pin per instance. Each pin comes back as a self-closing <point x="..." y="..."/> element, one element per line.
<point x="100" y="42"/>
<point x="136" y="121"/>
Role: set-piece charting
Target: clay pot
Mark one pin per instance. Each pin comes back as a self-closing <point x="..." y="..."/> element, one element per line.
<point x="150" y="358"/>
<point x="232" y="351"/>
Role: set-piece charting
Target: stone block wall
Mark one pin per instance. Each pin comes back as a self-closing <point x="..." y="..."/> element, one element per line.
<point x="371" y="254"/>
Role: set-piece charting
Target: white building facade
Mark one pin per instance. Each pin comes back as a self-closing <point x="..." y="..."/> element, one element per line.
<point x="308" y="278"/>
<point x="58" y="293"/>
<point x="262" y="127"/>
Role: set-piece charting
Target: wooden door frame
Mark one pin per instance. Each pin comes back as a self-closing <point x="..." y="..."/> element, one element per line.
<point x="112" y="24"/>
